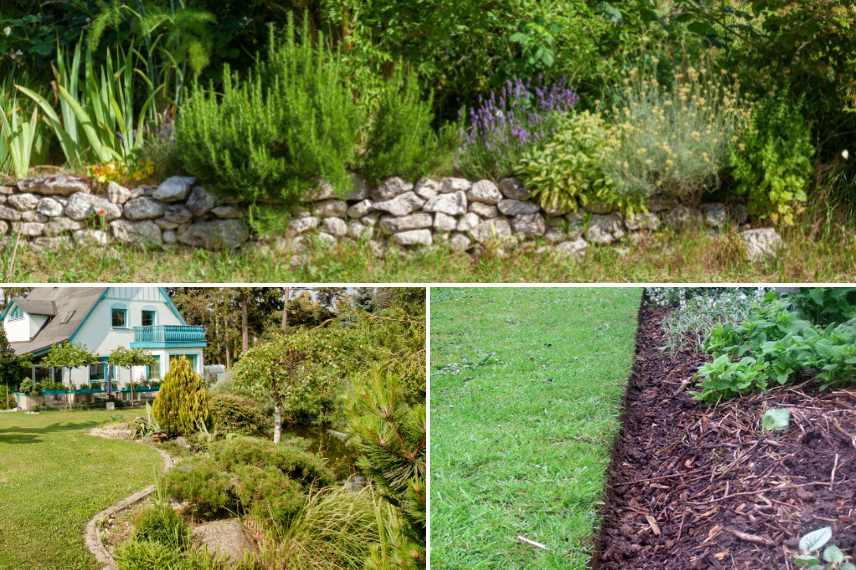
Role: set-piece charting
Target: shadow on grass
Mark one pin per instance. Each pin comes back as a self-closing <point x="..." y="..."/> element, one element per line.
<point x="30" y="434"/>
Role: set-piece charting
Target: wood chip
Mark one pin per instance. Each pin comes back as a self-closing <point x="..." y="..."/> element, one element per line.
<point x="652" y="522"/>
<point x="751" y="537"/>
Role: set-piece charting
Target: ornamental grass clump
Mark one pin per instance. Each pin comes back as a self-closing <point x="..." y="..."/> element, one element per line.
<point x="674" y="139"/>
<point x="509" y="122"/>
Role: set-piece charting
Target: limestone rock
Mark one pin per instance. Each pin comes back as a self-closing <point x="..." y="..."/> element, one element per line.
<point x="91" y="237"/>
<point x="359" y="231"/>
<point x="174" y="189"/>
<point x="512" y="189"/>
<point x="391" y="188"/>
<point x="143" y="208"/>
<point x="335" y="227"/>
<point x="511" y="207"/>
<point x="145" y="232"/>
<point x="486" y="192"/>
<point x="303" y="224"/>
<point x="453" y="185"/>
<point x="224" y="539"/>
<point x="452" y="204"/>
<point x="60" y="226"/>
<point x="715" y="214"/>
<point x="118" y="194"/>
<point x="468" y="222"/>
<point x="604" y="230"/>
<point x="228" y="212"/>
<point x="643" y="221"/>
<point x="413" y="237"/>
<point x="360" y="209"/>
<point x="574" y="248"/>
<point x="323" y="191"/>
<point x="360" y="189"/>
<point x="740" y="214"/>
<point x="4" y="228"/>
<point x="417" y="221"/>
<point x="331" y="209"/>
<point x="23" y="202"/>
<point x="33" y="216"/>
<point x="529" y="225"/>
<point x="59" y="185"/>
<point x="488" y="230"/>
<point x="325" y="240"/>
<point x="200" y="201"/>
<point x="169" y="237"/>
<point x="29" y="229"/>
<point x="761" y="243"/>
<point x="49" y="207"/>
<point x="427" y="188"/>
<point x="216" y="234"/>
<point x="459" y="242"/>
<point x="177" y="215"/>
<point x="401" y="205"/>
<point x="9" y="214"/>
<point x="484" y="210"/>
<point x="683" y="217"/>
<point x="444" y="222"/>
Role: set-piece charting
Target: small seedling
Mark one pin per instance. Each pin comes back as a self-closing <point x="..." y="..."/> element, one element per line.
<point x="811" y="557"/>
<point x="776" y="419"/>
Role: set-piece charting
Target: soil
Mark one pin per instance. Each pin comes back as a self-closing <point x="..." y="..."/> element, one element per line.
<point x="693" y="486"/>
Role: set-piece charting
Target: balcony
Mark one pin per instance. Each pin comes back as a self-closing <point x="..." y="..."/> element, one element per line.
<point x="168" y="336"/>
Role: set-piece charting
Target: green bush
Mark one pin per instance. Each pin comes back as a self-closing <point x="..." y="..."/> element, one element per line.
<point x="826" y="305"/>
<point x="402" y="141"/>
<point x="268" y="493"/>
<point x="204" y="484"/>
<point x="181" y="405"/>
<point x="7" y="395"/>
<point x="298" y="464"/>
<point x="773" y="160"/>
<point x="161" y="524"/>
<point x="231" y="413"/>
<point x="673" y="138"/>
<point x="568" y="169"/>
<point x="272" y="136"/>
<point x="144" y="555"/>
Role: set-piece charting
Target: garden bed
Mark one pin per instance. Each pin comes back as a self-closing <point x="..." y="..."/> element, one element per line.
<point x="692" y="486"/>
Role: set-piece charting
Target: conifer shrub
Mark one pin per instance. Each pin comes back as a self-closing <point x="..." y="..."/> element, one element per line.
<point x="201" y="482"/>
<point x="299" y="464"/>
<point x="270" y="137"/>
<point x="181" y="406"/>
<point x="401" y="141"/>
<point x="235" y="414"/>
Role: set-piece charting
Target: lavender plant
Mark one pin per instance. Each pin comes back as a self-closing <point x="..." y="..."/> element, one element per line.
<point x="507" y="123"/>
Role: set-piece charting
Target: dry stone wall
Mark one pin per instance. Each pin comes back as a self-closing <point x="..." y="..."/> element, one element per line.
<point x="455" y="212"/>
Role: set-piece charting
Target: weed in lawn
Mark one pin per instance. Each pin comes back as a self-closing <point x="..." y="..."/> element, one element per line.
<point x="526" y="391"/>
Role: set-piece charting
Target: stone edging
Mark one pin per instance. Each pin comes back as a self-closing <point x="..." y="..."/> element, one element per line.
<point x="91" y="536"/>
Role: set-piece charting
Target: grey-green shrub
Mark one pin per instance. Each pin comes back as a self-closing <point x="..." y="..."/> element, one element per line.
<point x="235" y="414"/>
<point x="271" y="136"/>
<point x="204" y="484"/>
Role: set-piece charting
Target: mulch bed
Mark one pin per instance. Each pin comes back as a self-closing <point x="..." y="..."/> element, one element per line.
<point x="693" y="486"/>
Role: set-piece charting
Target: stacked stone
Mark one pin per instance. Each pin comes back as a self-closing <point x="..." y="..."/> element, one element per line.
<point x="466" y="215"/>
<point x="54" y="210"/>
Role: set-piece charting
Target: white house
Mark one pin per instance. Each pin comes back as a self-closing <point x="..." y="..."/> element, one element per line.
<point x="100" y="320"/>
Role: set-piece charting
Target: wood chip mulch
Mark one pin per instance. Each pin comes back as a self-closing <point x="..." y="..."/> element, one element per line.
<point x="693" y="486"/>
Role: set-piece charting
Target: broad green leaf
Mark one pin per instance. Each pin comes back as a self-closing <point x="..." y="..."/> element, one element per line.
<point x="816" y="539"/>
<point x="776" y="419"/>
<point x="805" y="560"/>
<point x="833" y="554"/>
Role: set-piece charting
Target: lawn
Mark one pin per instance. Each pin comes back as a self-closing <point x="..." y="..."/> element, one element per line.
<point x="526" y="390"/>
<point x="694" y="256"/>
<point x="54" y="478"/>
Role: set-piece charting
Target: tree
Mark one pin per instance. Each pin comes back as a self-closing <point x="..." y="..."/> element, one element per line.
<point x="181" y="406"/>
<point x="123" y="357"/>
<point x="68" y="355"/>
<point x="10" y="365"/>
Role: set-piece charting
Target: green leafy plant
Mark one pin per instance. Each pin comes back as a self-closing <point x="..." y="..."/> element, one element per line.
<point x="161" y="524"/>
<point x="270" y="137"/>
<point x="776" y="419"/>
<point x="567" y="170"/>
<point x="722" y="378"/>
<point x="772" y="161"/>
<point x="814" y="556"/>
<point x="20" y="139"/>
<point x="826" y="305"/>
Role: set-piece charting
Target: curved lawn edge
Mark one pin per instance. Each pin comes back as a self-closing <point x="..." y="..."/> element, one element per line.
<point x="90" y="534"/>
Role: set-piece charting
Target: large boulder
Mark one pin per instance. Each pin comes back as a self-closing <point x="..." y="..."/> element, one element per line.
<point x="174" y="189"/>
<point x="223" y="539"/>
<point x="761" y="243"/>
<point x="216" y="234"/>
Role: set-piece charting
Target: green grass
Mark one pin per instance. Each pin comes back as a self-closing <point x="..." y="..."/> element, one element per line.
<point x="809" y="255"/>
<point x="54" y="478"/>
<point x="526" y="390"/>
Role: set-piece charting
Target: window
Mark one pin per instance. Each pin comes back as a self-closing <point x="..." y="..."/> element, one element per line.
<point x="120" y="318"/>
<point x="190" y="357"/>
<point x="153" y="372"/>
<point x="149" y="318"/>
<point x="97" y="372"/>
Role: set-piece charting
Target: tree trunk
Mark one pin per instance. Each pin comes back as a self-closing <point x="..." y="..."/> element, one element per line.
<point x="277" y="423"/>
<point x="286" y="293"/>
<point x="228" y="357"/>
<point x="245" y="327"/>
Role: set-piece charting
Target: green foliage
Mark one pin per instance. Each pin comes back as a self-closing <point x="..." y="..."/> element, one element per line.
<point x="267" y="493"/>
<point x="231" y="413"/>
<point x="813" y="555"/>
<point x="826" y="305"/>
<point x="390" y="435"/>
<point x="10" y="364"/>
<point x="568" y="169"/>
<point x="68" y="355"/>
<point x="272" y="136"/>
<point x="201" y="482"/>
<point x="298" y="464"/>
<point x="772" y="162"/>
<point x="161" y="524"/>
<point x="776" y="419"/>
<point x="128" y="357"/>
<point x="674" y="135"/>
<point x="775" y="345"/>
<point x="143" y="555"/>
<point x="20" y="140"/>
<point x="401" y="141"/>
<point x="181" y="405"/>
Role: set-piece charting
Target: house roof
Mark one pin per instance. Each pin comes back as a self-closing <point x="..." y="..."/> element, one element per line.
<point x="70" y="306"/>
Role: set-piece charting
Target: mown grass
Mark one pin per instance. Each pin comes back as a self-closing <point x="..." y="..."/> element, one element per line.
<point x="526" y="388"/>
<point x="54" y="478"/>
<point x="809" y="255"/>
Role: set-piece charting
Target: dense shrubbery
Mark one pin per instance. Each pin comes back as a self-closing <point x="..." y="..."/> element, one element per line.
<point x="235" y="414"/>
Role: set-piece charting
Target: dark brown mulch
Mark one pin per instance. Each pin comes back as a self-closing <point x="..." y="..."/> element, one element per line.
<point x="692" y="486"/>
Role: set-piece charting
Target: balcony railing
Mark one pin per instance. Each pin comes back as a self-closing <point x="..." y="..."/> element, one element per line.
<point x="169" y="335"/>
